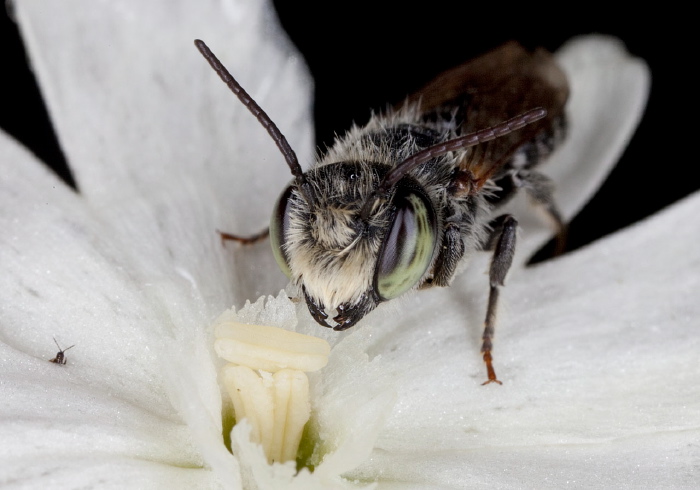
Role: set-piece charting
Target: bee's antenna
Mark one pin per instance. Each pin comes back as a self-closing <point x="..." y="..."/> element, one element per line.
<point x="466" y="141"/>
<point x="259" y="113"/>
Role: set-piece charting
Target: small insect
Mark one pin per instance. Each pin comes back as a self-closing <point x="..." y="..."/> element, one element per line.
<point x="61" y="354"/>
<point x="402" y="202"/>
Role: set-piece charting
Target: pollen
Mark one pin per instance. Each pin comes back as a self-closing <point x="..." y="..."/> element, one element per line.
<point x="266" y="380"/>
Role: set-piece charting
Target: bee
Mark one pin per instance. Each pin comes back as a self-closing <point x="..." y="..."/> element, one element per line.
<point x="402" y="202"/>
<point x="61" y="354"/>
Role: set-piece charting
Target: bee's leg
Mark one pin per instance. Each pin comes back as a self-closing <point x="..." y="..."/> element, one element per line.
<point x="503" y="242"/>
<point x="541" y="190"/>
<point x="249" y="240"/>
<point x="451" y="252"/>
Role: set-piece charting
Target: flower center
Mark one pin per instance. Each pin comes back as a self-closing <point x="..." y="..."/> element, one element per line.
<point x="266" y="380"/>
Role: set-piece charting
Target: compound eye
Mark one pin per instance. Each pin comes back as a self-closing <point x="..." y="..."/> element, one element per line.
<point x="279" y="224"/>
<point x="408" y="246"/>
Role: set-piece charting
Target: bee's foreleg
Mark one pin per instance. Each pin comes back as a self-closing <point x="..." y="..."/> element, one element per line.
<point x="503" y="240"/>
<point x="249" y="240"/>
<point x="451" y="253"/>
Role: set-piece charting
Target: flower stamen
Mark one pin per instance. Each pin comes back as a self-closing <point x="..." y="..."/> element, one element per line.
<point x="266" y="380"/>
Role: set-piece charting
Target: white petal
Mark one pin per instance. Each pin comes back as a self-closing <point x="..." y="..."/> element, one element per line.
<point x="283" y="477"/>
<point x="162" y="149"/>
<point x="599" y="362"/>
<point x="609" y="90"/>
<point x="61" y="274"/>
<point x="99" y="471"/>
<point x="660" y="461"/>
<point x="62" y="277"/>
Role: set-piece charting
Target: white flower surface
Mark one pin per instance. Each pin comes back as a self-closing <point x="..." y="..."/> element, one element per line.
<point x="597" y="349"/>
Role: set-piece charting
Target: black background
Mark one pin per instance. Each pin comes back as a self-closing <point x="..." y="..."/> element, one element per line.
<point x="367" y="54"/>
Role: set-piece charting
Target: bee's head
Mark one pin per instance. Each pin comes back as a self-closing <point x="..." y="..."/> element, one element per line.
<point x="350" y="235"/>
<point x="342" y="260"/>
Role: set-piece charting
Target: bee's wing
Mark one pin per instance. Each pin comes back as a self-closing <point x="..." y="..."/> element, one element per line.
<point x="492" y="88"/>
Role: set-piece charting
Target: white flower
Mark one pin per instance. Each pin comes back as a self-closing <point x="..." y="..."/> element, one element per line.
<point x="597" y="351"/>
